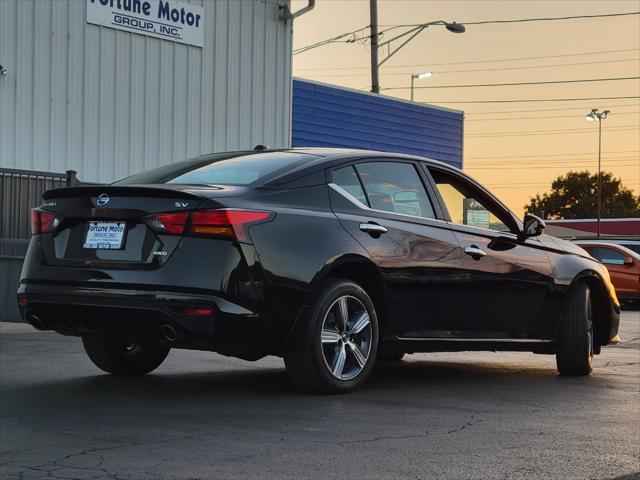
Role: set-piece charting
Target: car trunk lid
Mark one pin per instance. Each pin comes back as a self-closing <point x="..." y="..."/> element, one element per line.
<point x="116" y="226"/>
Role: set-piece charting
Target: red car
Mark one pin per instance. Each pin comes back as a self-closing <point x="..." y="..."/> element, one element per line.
<point x="623" y="265"/>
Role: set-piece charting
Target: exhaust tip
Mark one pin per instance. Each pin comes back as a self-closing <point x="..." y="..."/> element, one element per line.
<point x="35" y="322"/>
<point x="169" y="333"/>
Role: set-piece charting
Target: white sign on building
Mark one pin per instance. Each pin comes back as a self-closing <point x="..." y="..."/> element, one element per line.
<point x="166" y="19"/>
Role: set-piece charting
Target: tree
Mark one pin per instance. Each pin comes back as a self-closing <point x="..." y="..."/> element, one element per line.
<point x="575" y="195"/>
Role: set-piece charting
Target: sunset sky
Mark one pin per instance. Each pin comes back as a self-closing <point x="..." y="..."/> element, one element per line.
<point x="505" y="148"/>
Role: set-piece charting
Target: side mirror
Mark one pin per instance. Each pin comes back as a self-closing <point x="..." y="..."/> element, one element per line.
<point x="533" y="226"/>
<point x="628" y="261"/>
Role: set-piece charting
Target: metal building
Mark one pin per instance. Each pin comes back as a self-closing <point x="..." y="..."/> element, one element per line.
<point x="113" y="87"/>
<point x="329" y="116"/>
<point x="89" y="90"/>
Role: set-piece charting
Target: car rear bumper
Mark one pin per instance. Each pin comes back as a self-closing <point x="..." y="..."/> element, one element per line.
<point x="200" y="321"/>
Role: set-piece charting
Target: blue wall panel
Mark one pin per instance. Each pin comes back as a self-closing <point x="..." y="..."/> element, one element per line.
<point x="328" y="116"/>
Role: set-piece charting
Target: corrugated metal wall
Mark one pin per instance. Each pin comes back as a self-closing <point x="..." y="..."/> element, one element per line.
<point x="329" y="116"/>
<point x="109" y="103"/>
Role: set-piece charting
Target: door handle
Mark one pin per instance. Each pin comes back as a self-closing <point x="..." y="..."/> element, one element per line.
<point x="475" y="252"/>
<point x="373" y="229"/>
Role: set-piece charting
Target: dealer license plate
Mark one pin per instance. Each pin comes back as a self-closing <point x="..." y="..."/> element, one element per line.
<point x="105" y="235"/>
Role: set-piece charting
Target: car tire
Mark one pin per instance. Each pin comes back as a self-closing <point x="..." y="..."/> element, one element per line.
<point x="121" y="358"/>
<point x="390" y="357"/>
<point x="575" y="352"/>
<point x="327" y="353"/>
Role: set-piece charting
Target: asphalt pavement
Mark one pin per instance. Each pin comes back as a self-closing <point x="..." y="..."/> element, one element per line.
<point x="205" y="416"/>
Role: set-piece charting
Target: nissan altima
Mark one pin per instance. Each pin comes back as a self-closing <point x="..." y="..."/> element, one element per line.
<point x="329" y="258"/>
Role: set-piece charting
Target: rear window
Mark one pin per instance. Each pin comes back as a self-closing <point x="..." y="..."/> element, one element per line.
<point x="632" y="246"/>
<point x="221" y="169"/>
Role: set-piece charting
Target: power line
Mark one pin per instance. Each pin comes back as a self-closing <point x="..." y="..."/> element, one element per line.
<point x="442" y="72"/>
<point x="549" y="161"/>
<point x="548" y="82"/>
<point x="600" y="52"/>
<point x="525" y="20"/>
<point x="329" y="40"/>
<point x="536" y="100"/>
<point x="549" y="132"/>
<point x="531" y="184"/>
<point x="541" y="167"/>
<point x="536" y="186"/>
<point x="490" y="112"/>
<point x="555" y="162"/>
<point x="636" y="112"/>
<point x="339" y="38"/>
<point x="550" y="155"/>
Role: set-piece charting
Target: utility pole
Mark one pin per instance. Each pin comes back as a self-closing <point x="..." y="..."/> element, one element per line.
<point x="373" y="13"/>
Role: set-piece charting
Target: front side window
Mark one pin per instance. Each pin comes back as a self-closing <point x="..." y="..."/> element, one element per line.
<point x="395" y="187"/>
<point x="607" y="255"/>
<point x="465" y="204"/>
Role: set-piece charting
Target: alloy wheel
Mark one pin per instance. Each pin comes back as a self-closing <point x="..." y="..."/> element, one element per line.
<point x="346" y="337"/>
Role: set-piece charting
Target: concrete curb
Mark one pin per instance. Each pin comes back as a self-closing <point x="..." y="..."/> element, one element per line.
<point x="16" y="327"/>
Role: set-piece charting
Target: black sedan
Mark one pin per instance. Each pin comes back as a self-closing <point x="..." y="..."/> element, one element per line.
<point x="329" y="258"/>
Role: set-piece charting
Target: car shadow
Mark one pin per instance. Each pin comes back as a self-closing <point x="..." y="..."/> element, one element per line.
<point x="422" y="377"/>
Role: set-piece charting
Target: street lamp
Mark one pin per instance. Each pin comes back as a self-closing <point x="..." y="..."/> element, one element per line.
<point x="593" y="116"/>
<point x="405" y="37"/>
<point x="420" y="76"/>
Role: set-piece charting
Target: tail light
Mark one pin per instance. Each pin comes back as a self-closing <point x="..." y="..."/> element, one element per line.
<point x="43" y="222"/>
<point x="230" y="224"/>
<point x="169" y="222"/>
<point x="202" y="311"/>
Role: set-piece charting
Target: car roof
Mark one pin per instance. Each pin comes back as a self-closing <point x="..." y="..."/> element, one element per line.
<point x="616" y="246"/>
<point x="616" y="240"/>
<point x="337" y="153"/>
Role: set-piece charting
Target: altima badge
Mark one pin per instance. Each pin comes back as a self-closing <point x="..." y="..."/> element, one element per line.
<point x="103" y="199"/>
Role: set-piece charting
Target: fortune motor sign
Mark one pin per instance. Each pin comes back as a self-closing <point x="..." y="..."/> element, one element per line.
<point x="166" y="19"/>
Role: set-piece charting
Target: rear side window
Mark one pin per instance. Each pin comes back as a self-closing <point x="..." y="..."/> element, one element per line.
<point x="395" y="187"/>
<point x="243" y="169"/>
<point x="347" y="179"/>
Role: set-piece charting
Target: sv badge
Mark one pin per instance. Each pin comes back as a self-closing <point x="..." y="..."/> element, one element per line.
<point x="181" y="204"/>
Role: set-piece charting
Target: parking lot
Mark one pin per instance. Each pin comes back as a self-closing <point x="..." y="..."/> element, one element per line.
<point x="201" y="415"/>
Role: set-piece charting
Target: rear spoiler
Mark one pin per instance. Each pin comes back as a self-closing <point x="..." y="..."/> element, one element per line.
<point x="88" y="190"/>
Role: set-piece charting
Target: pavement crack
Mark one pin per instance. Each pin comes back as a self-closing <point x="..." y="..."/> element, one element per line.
<point x="417" y="435"/>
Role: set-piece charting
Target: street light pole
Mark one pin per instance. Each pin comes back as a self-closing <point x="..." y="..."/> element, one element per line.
<point x="599" y="175"/>
<point x="373" y="13"/>
<point x="413" y="78"/>
<point x="418" y="75"/>
<point x="592" y="116"/>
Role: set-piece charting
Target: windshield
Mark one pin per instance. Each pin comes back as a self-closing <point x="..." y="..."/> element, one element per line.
<point x="222" y="169"/>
